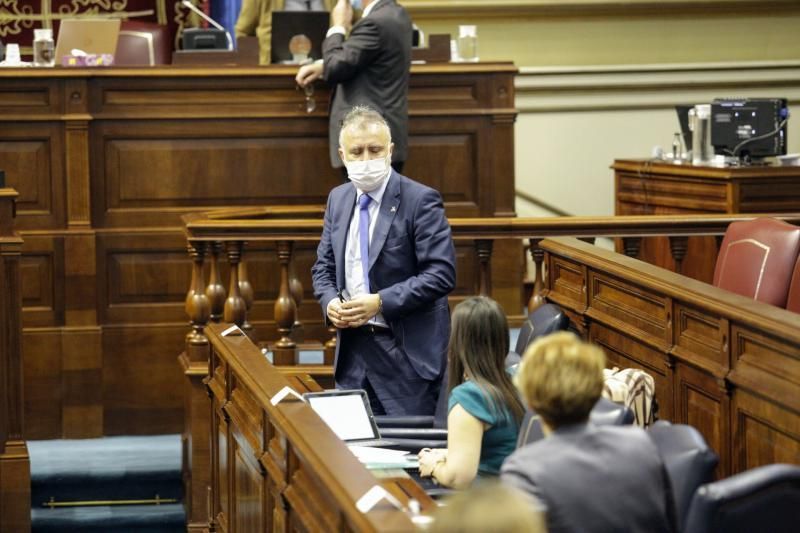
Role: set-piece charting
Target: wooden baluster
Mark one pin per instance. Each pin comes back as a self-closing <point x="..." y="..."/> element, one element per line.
<point x="197" y="416"/>
<point x="296" y="290"/>
<point x="235" y="308"/>
<point x="215" y="290"/>
<point x="198" y="305"/>
<point x="329" y="352"/>
<point x="537" y="254"/>
<point x="678" y="246"/>
<point x="284" y="350"/>
<point x="632" y="245"/>
<point x="483" y="249"/>
<point x="246" y="290"/>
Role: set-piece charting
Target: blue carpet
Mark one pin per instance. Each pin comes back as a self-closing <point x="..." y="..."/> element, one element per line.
<point x="111" y="468"/>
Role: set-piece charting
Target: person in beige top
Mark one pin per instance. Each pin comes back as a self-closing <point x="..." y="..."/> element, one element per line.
<point x="255" y="18"/>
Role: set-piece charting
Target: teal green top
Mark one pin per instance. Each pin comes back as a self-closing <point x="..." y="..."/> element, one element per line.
<point x="500" y="439"/>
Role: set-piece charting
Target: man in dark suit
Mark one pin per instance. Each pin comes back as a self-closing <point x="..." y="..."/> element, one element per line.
<point x="369" y="67"/>
<point x="592" y="479"/>
<point x="385" y="264"/>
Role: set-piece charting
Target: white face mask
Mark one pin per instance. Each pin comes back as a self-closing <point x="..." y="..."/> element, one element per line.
<point x="370" y="174"/>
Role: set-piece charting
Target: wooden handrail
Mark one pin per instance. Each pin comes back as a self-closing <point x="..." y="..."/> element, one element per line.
<point x="204" y="228"/>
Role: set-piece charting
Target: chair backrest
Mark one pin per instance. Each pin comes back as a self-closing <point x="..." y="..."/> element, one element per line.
<point x="756" y="259"/>
<point x="688" y="460"/>
<point x="762" y="499"/>
<point x="143" y="43"/>
<point x="545" y="319"/>
<point x="793" y="301"/>
<point x="604" y="413"/>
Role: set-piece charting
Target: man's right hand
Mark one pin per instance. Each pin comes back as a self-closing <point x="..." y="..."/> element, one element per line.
<point x="334" y="312"/>
<point x="342" y="15"/>
<point x="308" y="74"/>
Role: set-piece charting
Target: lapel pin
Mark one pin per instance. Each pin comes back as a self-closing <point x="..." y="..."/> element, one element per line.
<point x="393" y="209"/>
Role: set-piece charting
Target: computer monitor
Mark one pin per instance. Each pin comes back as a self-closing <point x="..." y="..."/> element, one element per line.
<point x="288" y="24"/>
<point x="749" y="127"/>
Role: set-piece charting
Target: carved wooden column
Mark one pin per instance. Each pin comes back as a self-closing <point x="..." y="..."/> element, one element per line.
<point x="15" y="470"/>
<point x="197" y="426"/>
<point x="215" y="290"/>
<point x="296" y="290"/>
<point x="246" y="290"/>
<point x="631" y="246"/>
<point x="235" y="311"/>
<point x="537" y="254"/>
<point x="483" y="249"/>
<point x="678" y="246"/>
<point x="284" y="350"/>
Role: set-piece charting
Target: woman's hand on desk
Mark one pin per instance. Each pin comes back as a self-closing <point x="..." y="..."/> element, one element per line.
<point x="429" y="459"/>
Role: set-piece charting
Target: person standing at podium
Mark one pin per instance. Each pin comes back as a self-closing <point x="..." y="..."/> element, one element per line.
<point x="385" y="265"/>
<point x="370" y="66"/>
<point x="255" y="18"/>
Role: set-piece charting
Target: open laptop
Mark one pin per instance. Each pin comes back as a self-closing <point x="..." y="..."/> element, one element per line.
<point x="349" y="415"/>
<point x="287" y="24"/>
<point x="93" y="36"/>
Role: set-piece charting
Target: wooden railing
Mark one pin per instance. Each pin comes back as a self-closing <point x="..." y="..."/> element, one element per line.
<point x="279" y="467"/>
<point x="15" y="477"/>
<point x="723" y="363"/>
<point x="214" y="236"/>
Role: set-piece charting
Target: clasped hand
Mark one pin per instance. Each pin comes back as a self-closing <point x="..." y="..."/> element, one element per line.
<point x="429" y="458"/>
<point x="353" y="313"/>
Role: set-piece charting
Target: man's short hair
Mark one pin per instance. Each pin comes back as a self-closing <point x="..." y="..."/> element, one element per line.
<point x="561" y="378"/>
<point x="361" y="117"/>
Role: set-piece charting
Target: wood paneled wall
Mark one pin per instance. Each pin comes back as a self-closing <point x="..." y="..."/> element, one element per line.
<point x="723" y="363"/>
<point x="106" y="161"/>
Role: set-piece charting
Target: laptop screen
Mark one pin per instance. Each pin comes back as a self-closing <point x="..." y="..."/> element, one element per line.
<point x="347" y="413"/>
<point x="289" y="24"/>
<point x="93" y="36"/>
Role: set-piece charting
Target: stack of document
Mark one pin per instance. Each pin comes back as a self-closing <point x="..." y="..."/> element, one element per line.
<point x="375" y="458"/>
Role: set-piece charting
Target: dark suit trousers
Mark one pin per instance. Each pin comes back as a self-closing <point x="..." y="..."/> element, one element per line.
<point x="372" y="360"/>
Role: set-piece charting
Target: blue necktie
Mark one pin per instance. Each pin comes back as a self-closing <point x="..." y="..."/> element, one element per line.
<point x="363" y="236"/>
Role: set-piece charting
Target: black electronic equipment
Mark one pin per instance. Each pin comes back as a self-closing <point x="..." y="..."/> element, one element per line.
<point x="204" y="39"/>
<point x="749" y="128"/>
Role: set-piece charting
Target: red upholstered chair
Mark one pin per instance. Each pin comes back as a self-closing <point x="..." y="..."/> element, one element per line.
<point x="757" y="258"/>
<point x="793" y="303"/>
<point x="143" y="43"/>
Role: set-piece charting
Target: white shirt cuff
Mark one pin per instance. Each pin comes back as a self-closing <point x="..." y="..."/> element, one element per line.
<point x="334" y="30"/>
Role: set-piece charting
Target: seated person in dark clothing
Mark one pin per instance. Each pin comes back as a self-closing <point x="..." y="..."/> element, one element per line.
<point x="591" y="479"/>
<point x="484" y="409"/>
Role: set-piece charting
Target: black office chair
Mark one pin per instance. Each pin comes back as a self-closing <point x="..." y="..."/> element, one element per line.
<point x="764" y="499"/>
<point x="545" y="319"/>
<point x="604" y="413"/>
<point x="689" y="462"/>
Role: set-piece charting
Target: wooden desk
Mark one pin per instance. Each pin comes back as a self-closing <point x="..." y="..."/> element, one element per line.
<point x="643" y="187"/>
<point x="723" y="363"/>
<point x="280" y="467"/>
<point x="106" y="161"/>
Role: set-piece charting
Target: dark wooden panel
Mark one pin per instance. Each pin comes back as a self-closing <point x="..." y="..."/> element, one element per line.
<point x="30" y="97"/>
<point x="141" y="392"/>
<point x="567" y="283"/>
<point x="247" y="511"/>
<point x="41" y="349"/>
<point x="644" y="313"/>
<point x="701" y="337"/>
<point x="42" y="276"/>
<point x="32" y="154"/>
<point x="703" y="402"/>
<point x="764" y="433"/>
